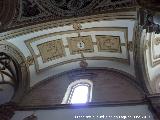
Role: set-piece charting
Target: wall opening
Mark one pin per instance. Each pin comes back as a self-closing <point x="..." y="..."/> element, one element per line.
<point x="78" y="92"/>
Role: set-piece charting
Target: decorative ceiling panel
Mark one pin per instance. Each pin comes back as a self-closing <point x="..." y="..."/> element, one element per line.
<point x="80" y="44"/>
<point x="67" y="7"/>
<point x="20" y="13"/>
<point x="108" y="43"/>
<point x="36" y="11"/>
<point x="51" y="50"/>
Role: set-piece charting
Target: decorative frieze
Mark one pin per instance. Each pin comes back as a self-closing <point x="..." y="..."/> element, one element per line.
<point x="108" y="43"/>
<point x="58" y="48"/>
<point x="51" y="50"/>
<point x="80" y="44"/>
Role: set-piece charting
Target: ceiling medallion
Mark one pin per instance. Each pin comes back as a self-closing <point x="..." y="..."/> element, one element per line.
<point x="67" y="7"/>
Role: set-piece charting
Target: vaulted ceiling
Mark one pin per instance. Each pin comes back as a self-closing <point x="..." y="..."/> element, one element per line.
<point x="50" y="37"/>
<point x="18" y="13"/>
<point x="94" y="41"/>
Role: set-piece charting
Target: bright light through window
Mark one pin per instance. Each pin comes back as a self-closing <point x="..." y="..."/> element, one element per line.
<point x="79" y="91"/>
<point x="80" y="95"/>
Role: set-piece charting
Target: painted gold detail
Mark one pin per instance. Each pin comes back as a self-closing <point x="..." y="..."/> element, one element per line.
<point x="108" y="43"/>
<point x="77" y="26"/>
<point x="30" y="60"/>
<point x="80" y="44"/>
<point x="51" y="50"/>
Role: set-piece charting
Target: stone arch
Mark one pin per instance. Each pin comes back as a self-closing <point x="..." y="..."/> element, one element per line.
<point x="21" y="66"/>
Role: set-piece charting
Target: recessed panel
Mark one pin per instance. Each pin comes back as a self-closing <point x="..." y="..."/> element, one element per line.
<point x="108" y="43"/>
<point x="80" y="44"/>
<point x="51" y="50"/>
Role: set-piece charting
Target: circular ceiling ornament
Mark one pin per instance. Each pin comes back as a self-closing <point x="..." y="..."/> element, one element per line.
<point x="67" y="7"/>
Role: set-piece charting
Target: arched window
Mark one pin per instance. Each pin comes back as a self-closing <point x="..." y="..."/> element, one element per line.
<point x="79" y="91"/>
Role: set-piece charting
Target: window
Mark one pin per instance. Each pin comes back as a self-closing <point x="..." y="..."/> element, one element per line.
<point x="79" y="91"/>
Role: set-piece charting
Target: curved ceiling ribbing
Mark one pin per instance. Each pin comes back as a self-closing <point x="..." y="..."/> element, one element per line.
<point x="20" y="13"/>
<point x="36" y="11"/>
